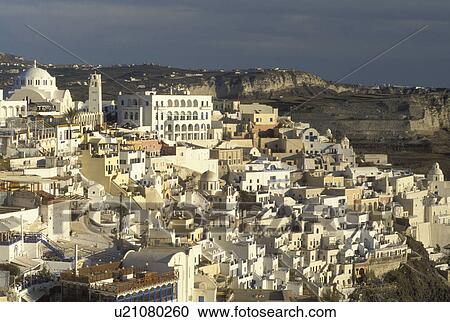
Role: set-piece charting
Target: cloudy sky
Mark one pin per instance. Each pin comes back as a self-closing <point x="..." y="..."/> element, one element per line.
<point x="326" y="37"/>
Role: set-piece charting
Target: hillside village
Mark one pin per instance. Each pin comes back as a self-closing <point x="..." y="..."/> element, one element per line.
<point x="179" y="196"/>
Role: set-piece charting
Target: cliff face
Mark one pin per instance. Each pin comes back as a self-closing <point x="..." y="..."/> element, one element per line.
<point x="429" y="113"/>
<point x="265" y="85"/>
<point x="377" y="115"/>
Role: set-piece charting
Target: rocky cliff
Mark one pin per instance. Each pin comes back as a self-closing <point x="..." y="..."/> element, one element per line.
<point x="429" y="113"/>
<point x="267" y="84"/>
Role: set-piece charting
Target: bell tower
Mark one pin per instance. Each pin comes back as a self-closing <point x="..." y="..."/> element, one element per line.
<point x="95" y="93"/>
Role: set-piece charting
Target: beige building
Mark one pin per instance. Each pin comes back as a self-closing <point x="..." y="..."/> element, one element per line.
<point x="228" y="158"/>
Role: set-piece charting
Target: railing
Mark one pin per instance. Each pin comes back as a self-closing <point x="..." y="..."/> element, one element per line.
<point x="150" y="279"/>
<point x="11" y="240"/>
<point x="59" y="252"/>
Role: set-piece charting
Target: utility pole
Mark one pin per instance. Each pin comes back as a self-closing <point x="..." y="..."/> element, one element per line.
<point x="121" y="216"/>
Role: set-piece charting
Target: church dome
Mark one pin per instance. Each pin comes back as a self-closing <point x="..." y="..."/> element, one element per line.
<point x="435" y="170"/>
<point x="435" y="173"/>
<point x="209" y="176"/>
<point x="35" y="73"/>
<point x="36" y="77"/>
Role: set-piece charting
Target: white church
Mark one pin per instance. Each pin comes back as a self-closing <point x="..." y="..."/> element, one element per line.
<point x="36" y="85"/>
<point x="35" y="91"/>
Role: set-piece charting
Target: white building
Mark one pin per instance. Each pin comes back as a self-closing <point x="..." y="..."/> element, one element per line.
<point x="68" y="138"/>
<point x="133" y="163"/>
<point x="11" y="109"/>
<point x="173" y="117"/>
<point x="36" y="85"/>
<point x="263" y="174"/>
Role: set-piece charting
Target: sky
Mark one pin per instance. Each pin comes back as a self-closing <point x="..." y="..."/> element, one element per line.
<point x="329" y="38"/>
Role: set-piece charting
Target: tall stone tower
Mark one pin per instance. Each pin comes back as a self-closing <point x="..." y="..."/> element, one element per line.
<point x="95" y="93"/>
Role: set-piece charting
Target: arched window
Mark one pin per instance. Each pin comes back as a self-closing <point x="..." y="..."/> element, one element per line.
<point x="203" y="126"/>
<point x="195" y="103"/>
<point x="176" y="116"/>
<point x="190" y="127"/>
<point x="169" y="103"/>
<point x="196" y="127"/>
<point x="131" y="115"/>
<point x="176" y="103"/>
<point x="189" y="115"/>
<point x="183" y="128"/>
<point x="183" y="103"/>
<point x="201" y="116"/>
<point x="189" y="103"/>
<point x="177" y="128"/>
<point x="169" y="116"/>
<point x="169" y="127"/>
<point x="126" y="115"/>
<point x="206" y="115"/>
<point x="195" y="116"/>
<point x="183" y="116"/>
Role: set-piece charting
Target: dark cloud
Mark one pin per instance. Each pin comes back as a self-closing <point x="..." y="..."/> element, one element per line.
<point x="326" y="37"/>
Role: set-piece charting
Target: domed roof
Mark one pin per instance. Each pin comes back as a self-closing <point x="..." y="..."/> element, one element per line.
<point x="209" y="176"/>
<point x="35" y="73"/>
<point x="435" y="170"/>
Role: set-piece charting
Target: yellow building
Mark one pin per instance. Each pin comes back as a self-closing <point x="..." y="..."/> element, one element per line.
<point x="259" y="114"/>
